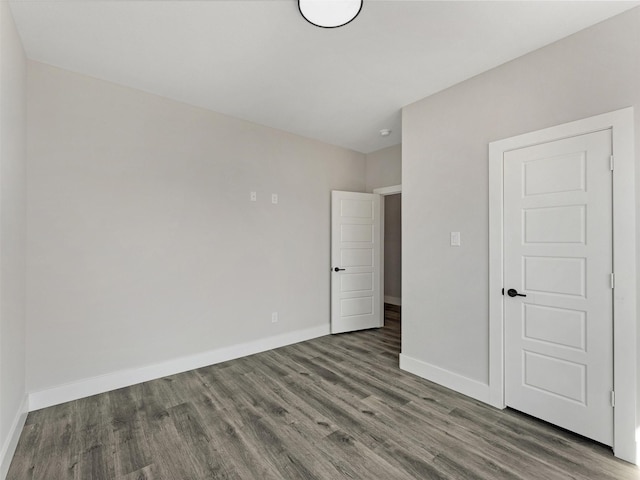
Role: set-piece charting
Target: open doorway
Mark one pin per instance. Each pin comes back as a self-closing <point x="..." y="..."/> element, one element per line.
<point x="392" y="259"/>
<point x="392" y="254"/>
<point x="393" y="249"/>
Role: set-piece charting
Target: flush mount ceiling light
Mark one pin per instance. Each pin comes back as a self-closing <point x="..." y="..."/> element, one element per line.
<point x="329" y="13"/>
<point x="385" y="132"/>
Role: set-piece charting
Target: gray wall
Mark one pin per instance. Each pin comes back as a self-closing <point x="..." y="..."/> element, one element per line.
<point x="12" y="231"/>
<point x="143" y="245"/>
<point x="384" y="167"/>
<point x="445" y="176"/>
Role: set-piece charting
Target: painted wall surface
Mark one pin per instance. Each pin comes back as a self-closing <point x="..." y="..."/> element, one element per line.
<point x="384" y="168"/>
<point x="393" y="246"/>
<point x="143" y="244"/>
<point x="13" y="84"/>
<point x="445" y="177"/>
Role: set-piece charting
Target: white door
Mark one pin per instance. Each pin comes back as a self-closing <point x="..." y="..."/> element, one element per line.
<point x="356" y="299"/>
<point x="558" y="252"/>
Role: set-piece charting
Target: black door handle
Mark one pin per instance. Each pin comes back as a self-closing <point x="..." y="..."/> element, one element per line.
<point x="512" y="292"/>
<point x="338" y="269"/>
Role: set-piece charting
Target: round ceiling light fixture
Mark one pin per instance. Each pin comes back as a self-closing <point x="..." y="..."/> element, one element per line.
<point x="385" y="132"/>
<point x="329" y="13"/>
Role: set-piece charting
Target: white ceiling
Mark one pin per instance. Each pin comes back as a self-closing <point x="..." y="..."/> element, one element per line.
<point x="261" y="61"/>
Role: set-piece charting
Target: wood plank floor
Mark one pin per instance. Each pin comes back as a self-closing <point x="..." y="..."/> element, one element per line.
<point x="330" y="408"/>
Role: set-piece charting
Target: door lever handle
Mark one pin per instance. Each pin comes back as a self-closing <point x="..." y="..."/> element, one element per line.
<point x="512" y="292"/>
<point x="338" y="269"/>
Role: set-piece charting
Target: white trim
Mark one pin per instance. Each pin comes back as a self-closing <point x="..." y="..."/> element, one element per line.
<point x="392" y="190"/>
<point x="124" y="378"/>
<point x="10" y="444"/>
<point x="393" y="300"/>
<point x="624" y="247"/>
<point x="454" y="381"/>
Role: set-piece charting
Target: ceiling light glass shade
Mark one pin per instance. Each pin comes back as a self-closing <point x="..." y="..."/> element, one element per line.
<point x="329" y="13"/>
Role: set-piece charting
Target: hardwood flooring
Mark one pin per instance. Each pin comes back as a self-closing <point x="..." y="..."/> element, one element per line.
<point x="330" y="408"/>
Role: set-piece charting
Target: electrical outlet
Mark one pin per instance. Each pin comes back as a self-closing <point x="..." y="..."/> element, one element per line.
<point x="274" y="317"/>
<point x="253" y="196"/>
<point x="274" y="198"/>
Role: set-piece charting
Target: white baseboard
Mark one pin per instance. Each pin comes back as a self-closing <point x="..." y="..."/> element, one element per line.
<point x="125" y="378"/>
<point x="454" y="381"/>
<point x="10" y="443"/>
<point x="393" y="300"/>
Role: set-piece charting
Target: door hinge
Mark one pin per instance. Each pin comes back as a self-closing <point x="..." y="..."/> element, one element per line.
<point x="611" y="162"/>
<point x="613" y="398"/>
<point x="613" y="280"/>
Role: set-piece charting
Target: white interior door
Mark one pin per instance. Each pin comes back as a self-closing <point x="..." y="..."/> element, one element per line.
<point x="558" y="252"/>
<point x="356" y="297"/>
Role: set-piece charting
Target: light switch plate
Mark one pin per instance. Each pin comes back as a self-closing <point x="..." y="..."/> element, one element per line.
<point x="455" y="239"/>
<point x="253" y="196"/>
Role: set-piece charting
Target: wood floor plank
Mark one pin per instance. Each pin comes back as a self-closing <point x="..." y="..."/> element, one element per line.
<point x="94" y="455"/>
<point x="562" y="454"/>
<point x="133" y="452"/>
<point x="440" y="438"/>
<point x="301" y="434"/>
<point x="23" y="466"/>
<point x="229" y="441"/>
<point x="250" y="433"/>
<point x="150" y="472"/>
<point x="192" y="432"/>
<point x="52" y="459"/>
<point x="336" y="407"/>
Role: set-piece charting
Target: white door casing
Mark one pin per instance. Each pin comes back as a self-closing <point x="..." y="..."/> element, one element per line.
<point x="625" y="341"/>
<point x="558" y="252"/>
<point x="356" y="299"/>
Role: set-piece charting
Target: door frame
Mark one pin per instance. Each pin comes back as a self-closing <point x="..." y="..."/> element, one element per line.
<point x="624" y="264"/>
<point x="383" y="192"/>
